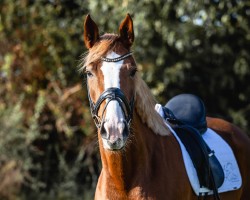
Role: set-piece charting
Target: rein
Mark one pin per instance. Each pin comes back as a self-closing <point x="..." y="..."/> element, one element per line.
<point x="111" y="94"/>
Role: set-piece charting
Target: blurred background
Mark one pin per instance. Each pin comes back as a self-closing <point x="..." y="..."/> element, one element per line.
<point x="48" y="143"/>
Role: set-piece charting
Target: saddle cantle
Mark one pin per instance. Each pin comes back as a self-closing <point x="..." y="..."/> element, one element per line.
<point x="186" y="113"/>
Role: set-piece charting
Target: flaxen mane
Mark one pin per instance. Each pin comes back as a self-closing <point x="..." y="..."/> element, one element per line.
<point x="145" y="104"/>
<point x="144" y="100"/>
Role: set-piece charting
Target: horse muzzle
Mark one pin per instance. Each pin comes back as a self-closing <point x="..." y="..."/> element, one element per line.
<point x="114" y="135"/>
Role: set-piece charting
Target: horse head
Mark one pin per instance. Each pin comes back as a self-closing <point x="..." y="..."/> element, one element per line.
<point x="111" y="70"/>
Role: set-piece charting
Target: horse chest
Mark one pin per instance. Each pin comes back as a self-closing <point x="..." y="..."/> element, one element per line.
<point x="148" y="187"/>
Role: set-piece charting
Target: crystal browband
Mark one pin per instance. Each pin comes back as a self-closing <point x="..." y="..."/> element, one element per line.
<point x="116" y="59"/>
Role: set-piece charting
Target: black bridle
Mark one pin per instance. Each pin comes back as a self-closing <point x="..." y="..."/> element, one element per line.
<point x="111" y="94"/>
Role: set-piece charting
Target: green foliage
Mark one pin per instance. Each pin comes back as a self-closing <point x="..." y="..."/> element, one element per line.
<point x="16" y="148"/>
<point x="44" y="133"/>
<point x="47" y="138"/>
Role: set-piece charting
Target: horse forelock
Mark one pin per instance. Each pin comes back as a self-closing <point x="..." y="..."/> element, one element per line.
<point x="106" y="43"/>
<point x="145" y="107"/>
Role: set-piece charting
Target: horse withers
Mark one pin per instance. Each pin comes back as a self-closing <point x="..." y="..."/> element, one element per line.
<point x="141" y="159"/>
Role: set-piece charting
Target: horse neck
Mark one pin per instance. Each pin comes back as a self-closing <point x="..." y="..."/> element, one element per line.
<point x="122" y="168"/>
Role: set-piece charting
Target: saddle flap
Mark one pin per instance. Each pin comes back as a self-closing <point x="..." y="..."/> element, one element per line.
<point x="216" y="170"/>
<point x="208" y="168"/>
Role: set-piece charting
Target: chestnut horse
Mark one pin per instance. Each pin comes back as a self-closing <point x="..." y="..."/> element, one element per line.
<point x="141" y="158"/>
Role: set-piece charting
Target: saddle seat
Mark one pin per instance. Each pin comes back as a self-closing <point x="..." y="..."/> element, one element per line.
<point x="187" y="115"/>
<point x="188" y="109"/>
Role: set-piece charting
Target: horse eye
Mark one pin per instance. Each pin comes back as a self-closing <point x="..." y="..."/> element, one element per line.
<point x="89" y="74"/>
<point x="132" y="73"/>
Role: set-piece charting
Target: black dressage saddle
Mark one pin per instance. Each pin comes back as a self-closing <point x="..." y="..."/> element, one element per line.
<point x="187" y="115"/>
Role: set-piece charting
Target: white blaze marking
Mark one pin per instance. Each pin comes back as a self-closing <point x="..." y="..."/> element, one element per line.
<point x="111" y="72"/>
<point x="114" y="117"/>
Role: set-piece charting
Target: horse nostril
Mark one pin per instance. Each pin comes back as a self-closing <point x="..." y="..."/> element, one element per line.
<point x="125" y="131"/>
<point x="103" y="132"/>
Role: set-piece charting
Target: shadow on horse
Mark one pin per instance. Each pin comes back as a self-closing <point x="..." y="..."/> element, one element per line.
<point x="141" y="158"/>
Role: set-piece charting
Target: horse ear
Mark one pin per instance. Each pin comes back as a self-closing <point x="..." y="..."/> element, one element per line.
<point x="126" y="31"/>
<point x="91" y="32"/>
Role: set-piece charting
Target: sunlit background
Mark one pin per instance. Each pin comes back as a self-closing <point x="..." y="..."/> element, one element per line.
<point x="48" y="143"/>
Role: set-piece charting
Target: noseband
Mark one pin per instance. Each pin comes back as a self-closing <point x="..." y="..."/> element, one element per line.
<point x="111" y="94"/>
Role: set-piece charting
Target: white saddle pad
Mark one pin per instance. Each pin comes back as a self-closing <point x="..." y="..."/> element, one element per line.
<point x="224" y="154"/>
